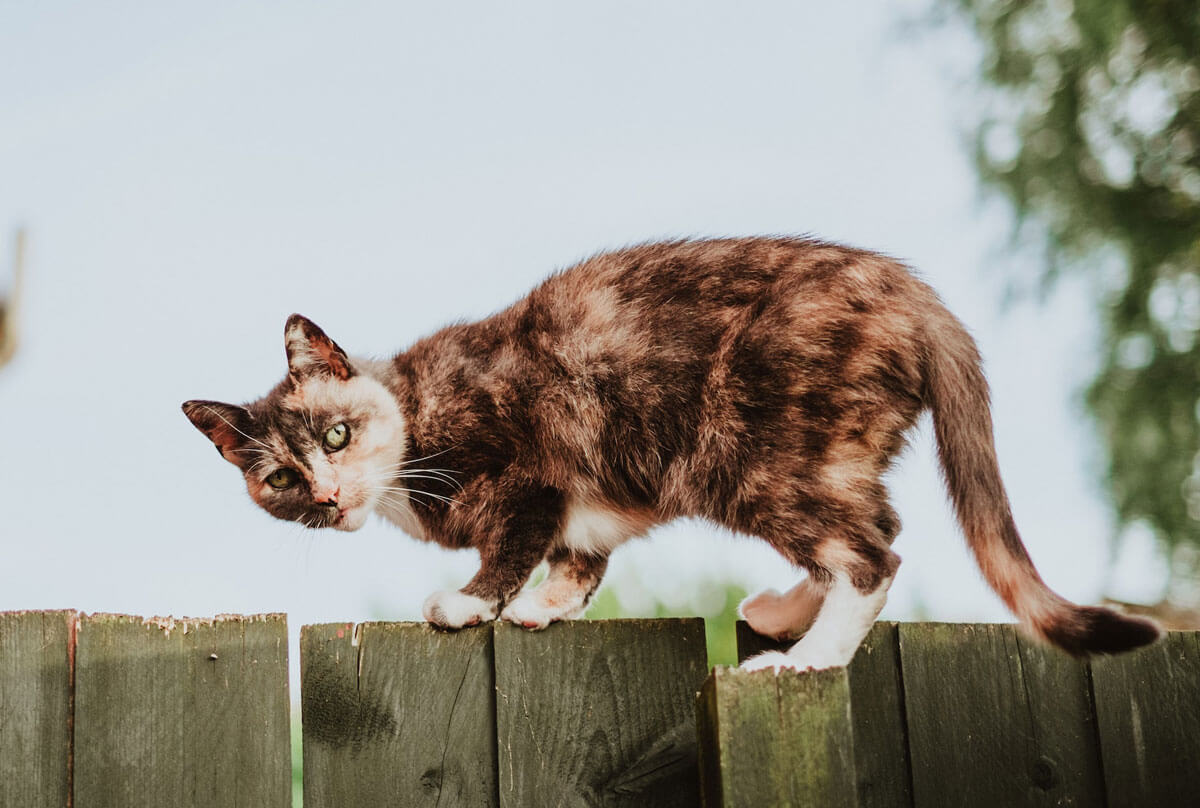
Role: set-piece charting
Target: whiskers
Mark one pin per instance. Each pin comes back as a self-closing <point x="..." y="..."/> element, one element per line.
<point x="390" y="493"/>
<point x="389" y="486"/>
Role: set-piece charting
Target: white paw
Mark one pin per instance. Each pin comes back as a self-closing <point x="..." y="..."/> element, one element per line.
<point x="797" y="659"/>
<point x="773" y="660"/>
<point x="450" y="609"/>
<point x="531" y="611"/>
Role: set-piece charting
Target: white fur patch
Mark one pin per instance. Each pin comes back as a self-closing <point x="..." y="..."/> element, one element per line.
<point x="844" y="619"/>
<point x="451" y="609"/>
<point x="597" y="531"/>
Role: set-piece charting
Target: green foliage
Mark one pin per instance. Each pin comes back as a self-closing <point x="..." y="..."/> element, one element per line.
<point x="1092" y="131"/>
<point x="718" y="629"/>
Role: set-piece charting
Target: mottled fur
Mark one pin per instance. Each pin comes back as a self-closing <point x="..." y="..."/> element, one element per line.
<point x="764" y="383"/>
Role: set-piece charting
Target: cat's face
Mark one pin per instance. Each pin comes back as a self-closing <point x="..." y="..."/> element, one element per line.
<point x="323" y="447"/>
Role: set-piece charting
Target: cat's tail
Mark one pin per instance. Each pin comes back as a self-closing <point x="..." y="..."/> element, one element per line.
<point x="957" y="394"/>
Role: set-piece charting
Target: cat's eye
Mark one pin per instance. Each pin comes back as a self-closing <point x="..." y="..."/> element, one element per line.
<point x="336" y="437"/>
<point x="280" y="479"/>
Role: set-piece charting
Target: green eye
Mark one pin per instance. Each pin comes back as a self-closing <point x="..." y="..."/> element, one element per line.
<point x="336" y="437"/>
<point x="280" y="479"/>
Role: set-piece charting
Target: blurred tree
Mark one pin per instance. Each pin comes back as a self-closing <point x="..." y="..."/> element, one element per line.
<point x="1091" y="128"/>
<point x="10" y="297"/>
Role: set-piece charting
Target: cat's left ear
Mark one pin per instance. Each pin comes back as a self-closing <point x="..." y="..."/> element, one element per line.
<point x="311" y="353"/>
<point x="226" y="425"/>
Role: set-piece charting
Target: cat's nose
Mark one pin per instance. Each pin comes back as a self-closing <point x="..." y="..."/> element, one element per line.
<point x="328" y="497"/>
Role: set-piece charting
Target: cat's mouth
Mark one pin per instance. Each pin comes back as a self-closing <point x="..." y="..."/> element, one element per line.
<point x="347" y="519"/>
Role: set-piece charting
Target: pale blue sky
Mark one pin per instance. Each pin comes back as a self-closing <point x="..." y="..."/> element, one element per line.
<point x="192" y="174"/>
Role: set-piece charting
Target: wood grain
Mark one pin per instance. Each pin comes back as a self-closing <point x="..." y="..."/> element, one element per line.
<point x="599" y="713"/>
<point x="182" y="713"/>
<point x="397" y="714"/>
<point x="35" y="708"/>
<point x="996" y="719"/>
<point x="1148" y="712"/>
<point x="776" y="739"/>
<point x="877" y="711"/>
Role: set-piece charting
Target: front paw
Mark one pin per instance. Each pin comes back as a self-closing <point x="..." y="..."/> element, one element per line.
<point x="451" y="609"/>
<point x="530" y="611"/>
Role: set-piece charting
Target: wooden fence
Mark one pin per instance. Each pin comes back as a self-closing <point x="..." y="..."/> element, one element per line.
<point x="116" y="711"/>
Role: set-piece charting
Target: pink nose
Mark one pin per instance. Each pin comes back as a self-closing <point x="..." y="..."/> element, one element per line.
<point x="328" y="497"/>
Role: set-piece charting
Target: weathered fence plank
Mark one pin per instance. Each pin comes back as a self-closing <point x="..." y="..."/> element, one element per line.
<point x="35" y="708"/>
<point x="1148" y="712"/>
<point x="397" y="714"/>
<point x="876" y="695"/>
<point x="182" y="713"/>
<point x="782" y="740"/>
<point x="995" y="719"/>
<point x="599" y="713"/>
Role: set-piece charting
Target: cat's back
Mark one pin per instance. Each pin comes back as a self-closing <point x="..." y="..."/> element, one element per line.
<point x="668" y="305"/>
<point x="690" y="288"/>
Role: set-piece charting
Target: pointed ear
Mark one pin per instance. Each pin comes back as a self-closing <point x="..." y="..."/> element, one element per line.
<point x="226" y="425"/>
<point x="311" y="353"/>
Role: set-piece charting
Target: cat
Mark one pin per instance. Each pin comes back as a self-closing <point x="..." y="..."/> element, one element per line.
<point x="764" y="384"/>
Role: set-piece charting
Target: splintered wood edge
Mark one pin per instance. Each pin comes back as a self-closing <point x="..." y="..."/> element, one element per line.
<point x="168" y="624"/>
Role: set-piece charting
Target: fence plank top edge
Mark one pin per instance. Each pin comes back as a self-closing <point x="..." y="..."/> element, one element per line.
<point x="23" y="612"/>
<point x="168" y="625"/>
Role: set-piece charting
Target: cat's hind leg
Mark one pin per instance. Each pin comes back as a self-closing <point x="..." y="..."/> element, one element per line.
<point x="785" y="616"/>
<point x="856" y="593"/>
<point x="563" y="594"/>
<point x="846" y="546"/>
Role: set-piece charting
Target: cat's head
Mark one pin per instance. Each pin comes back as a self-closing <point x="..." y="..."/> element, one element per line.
<point x="319" y="449"/>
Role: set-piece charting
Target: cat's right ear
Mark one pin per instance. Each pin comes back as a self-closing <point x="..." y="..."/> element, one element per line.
<point x="310" y="352"/>
<point x="225" y="425"/>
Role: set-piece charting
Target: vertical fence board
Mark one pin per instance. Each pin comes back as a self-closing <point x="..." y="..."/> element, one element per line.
<point x="877" y="698"/>
<point x="397" y="714"/>
<point x="776" y="739"/>
<point x="35" y="703"/>
<point x="182" y="713"/>
<point x="994" y="719"/>
<point x="1148" y="711"/>
<point x="880" y="731"/>
<point x="599" y="713"/>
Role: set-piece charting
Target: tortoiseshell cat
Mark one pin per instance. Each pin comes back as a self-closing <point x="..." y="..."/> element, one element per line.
<point x="762" y="383"/>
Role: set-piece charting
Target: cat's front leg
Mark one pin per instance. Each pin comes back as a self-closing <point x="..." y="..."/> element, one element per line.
<point x="515" y="530"/>
<point x="563" y="595"/>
